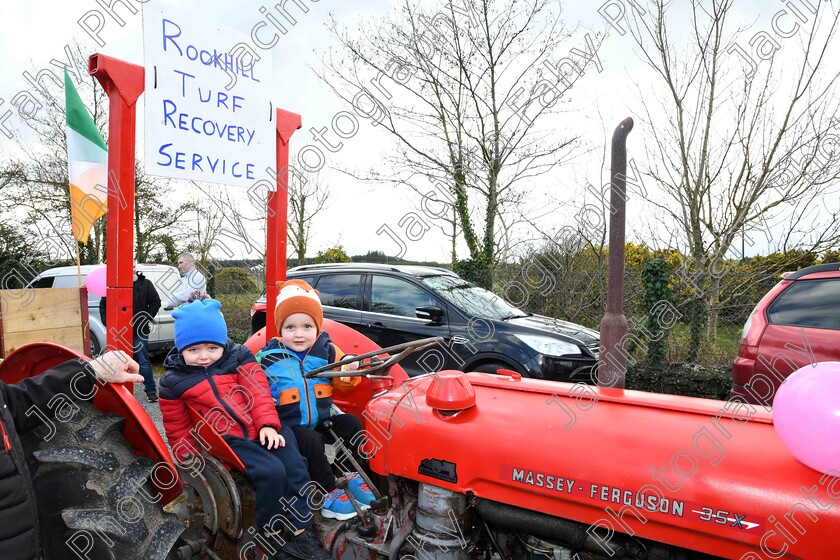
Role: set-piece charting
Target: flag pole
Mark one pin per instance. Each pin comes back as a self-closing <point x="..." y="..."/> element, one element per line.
<point x="78" y="262"/>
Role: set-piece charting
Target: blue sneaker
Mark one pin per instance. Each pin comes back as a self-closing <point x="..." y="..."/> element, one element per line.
<point x="337" y="506"/>
<point x="359" y="489"/>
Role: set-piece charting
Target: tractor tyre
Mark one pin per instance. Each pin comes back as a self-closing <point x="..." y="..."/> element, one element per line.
<point x="95" y="498"/>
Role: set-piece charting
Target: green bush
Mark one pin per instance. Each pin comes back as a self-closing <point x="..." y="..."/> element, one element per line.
<point x="681" y="379"/>
<point x="655" y="275"/>
<point x="239" y="335"/>
<point x="231" y="280"/>
<point x="478" y="270"/>
<point x="237" y="311"/>
<point x="333" y="255"/>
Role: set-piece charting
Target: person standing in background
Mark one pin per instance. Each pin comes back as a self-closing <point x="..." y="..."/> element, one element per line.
<point x="191" y="280"/>
<point x="146" y="302"/>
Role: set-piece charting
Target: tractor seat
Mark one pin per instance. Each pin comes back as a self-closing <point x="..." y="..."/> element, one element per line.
<point x="217" y="447"/>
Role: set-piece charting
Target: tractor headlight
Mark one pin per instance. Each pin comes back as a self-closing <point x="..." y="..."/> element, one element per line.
<point x="548" y="346"/>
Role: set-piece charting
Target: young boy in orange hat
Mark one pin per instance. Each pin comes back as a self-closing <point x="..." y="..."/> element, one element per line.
<point x="306" y="403"/>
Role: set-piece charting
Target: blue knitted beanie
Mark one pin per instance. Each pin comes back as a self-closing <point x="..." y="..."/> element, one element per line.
<point x="199" y="322"/>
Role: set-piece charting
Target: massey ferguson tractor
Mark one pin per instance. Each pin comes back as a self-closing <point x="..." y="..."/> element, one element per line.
<point x="467" y="465"/>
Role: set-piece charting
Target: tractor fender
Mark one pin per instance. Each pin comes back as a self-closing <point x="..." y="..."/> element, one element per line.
<point x="140" y="431"/>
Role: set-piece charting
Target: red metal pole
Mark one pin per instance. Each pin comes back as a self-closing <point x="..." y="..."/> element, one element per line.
<point x="278" y="205"/>
<point x="123" y="82"/>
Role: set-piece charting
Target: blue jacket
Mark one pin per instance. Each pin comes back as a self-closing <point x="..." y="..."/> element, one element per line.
<point x="301" y="401"/>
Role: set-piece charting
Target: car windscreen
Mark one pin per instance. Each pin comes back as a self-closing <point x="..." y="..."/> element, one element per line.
<point x="72" y="281"/>
<point x="475" y="301"/>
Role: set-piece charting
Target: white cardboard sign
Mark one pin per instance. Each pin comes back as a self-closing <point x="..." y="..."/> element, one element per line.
<point x="208" y="113"/>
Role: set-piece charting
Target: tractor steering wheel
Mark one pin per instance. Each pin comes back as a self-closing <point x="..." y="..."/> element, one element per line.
<point x="375" y="364"/>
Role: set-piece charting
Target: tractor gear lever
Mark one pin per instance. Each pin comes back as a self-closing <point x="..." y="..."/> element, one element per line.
<point x="366" y="527"/>
<point x="380" y="503"/>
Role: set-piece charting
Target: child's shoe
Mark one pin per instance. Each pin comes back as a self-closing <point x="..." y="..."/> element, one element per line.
<point x="305" y="546"/>
<point x="359" y="489"/>
<point x="337" y="506"/>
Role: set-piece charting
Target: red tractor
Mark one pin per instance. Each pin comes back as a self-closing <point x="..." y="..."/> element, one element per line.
<point x="470" y="465"/>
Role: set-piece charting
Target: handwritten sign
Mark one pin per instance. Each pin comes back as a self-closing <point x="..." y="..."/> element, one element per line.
<point x="208" y="112"/>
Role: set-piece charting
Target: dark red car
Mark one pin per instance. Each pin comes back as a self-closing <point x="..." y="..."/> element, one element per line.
<point x="797" y="323"/>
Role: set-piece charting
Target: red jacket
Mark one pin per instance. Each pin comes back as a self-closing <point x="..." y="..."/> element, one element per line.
<point x="232" y="395"/>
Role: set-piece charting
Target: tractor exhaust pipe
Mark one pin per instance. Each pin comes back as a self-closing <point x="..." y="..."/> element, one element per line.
<point x="612" y="360"/>
<point x="553" y="528"/>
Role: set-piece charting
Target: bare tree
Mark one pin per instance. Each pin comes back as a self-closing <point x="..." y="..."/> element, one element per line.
<point x="36" y="183"/>
<point x="466" y="91"/>
<point x="307" y="197"/>
<point x="206" y="215"/>
<point x="39" y="191"/>
<point x="157" y="228"/>
<point x="207" y="224"/>
<point x="737" y="143"/>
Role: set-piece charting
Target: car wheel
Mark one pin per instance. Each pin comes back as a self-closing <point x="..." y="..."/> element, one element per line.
<point x="95" y="347"/>
<point x="491" y="367"/>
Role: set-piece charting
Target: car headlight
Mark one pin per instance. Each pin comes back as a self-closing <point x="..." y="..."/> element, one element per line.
<point x="549" y="346"/>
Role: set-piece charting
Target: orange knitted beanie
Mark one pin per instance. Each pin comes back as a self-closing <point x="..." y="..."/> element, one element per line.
<point x="296" y="296"/>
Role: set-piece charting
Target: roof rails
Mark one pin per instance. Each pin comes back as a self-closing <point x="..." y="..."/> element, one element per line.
<point x="344" y="265"/>
<point x="438" y="268"/>
<point x="825" y="267"/>
<point x="404" y="268"/>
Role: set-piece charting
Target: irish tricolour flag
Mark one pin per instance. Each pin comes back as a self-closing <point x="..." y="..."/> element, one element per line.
<point x="87" y="158"/>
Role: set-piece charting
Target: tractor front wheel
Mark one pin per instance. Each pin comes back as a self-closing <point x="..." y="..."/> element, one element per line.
<point x="95" y="498"/>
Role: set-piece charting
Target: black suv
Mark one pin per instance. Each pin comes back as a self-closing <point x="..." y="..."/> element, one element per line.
<point x="392" y="304"/>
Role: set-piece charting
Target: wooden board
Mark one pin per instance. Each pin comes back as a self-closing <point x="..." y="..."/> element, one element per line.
<point x="57" y="315"/>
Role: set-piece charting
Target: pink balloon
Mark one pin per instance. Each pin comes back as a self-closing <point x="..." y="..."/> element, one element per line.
<point x="96" y="281"/>
<point x="806" y="415"/>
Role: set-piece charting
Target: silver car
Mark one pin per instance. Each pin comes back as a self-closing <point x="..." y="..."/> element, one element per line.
<point x="165" y="279"/>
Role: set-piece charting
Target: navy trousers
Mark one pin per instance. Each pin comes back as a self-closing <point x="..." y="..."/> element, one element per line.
<point x="311" y="444"/>
<point x="280" y="481"/>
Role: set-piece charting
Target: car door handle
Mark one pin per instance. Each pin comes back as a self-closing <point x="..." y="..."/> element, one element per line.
<point x="377" y="325"/>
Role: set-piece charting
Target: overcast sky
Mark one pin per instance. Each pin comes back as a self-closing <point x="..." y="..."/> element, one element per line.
<point x="36" y="31"/>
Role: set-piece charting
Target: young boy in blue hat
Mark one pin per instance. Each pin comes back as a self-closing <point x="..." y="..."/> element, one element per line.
<point x="305" y="404"/>
<point x="211" y="373"/>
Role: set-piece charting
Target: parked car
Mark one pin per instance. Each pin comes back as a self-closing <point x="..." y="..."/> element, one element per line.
<point x="396" y="304"/>
<point x="165" y="279"/>
<point x="795" y="324"/>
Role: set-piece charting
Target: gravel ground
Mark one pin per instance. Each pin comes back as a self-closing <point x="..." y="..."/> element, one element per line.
<point x="152" y="408"/>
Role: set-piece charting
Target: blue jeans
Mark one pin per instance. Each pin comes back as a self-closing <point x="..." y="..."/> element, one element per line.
<point x="141" y="356"/>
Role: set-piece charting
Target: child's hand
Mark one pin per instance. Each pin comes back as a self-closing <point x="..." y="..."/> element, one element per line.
<point x="352" y="366"/>
<point x="271" y="439"/>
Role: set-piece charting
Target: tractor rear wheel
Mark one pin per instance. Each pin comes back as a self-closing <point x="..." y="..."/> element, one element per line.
<point x="95" y="498"/>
